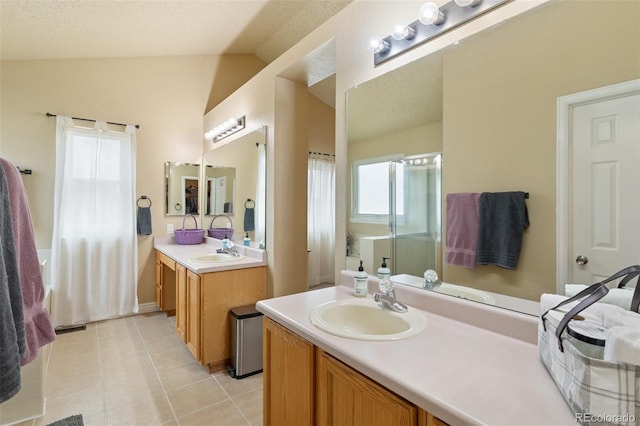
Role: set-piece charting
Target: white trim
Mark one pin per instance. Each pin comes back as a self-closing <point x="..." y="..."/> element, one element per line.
<point x="145" y="308"/>
<point x="565" y="106"/>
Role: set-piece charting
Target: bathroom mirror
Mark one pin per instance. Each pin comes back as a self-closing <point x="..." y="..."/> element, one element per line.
<point x="241" y="164"/>
<point x="220" y="183"/>
<point x="181" y="188"/>
<point x="496" y="92"/>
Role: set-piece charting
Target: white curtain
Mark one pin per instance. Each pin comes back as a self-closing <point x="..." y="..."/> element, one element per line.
<point x="261" y="187"/>
<point x="320" y="219"/>
<point x="94" y="252"/>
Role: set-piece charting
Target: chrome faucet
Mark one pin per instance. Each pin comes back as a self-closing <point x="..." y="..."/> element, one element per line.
<point x="431" y="280"/>
<point x="231" y="249"/>
<point x="388" y="299"/>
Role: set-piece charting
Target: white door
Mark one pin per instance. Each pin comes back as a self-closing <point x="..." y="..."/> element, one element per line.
<point x="604" y="187"/>
<point x="218" y="195"/>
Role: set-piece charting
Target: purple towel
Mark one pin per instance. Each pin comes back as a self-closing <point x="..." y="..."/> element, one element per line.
<point x="37" y="322"/>
<point x="462" y="229"/>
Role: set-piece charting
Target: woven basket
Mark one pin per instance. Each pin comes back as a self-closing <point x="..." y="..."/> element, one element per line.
<point x="189" y="236"/>
<point x="219" y="233"/>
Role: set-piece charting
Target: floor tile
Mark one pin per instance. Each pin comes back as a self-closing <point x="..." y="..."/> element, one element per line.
<point x="239" y="386"/>
<point x="250" y="405"/>
<point x="222" y="414"/>
<point x="182" y="375"/>
<point x="193" y="397"/>
<point x="144" y="410"/>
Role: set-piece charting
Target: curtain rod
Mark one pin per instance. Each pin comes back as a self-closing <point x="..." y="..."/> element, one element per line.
<point x="321" y="153"/>
<point x="89" y="119"/>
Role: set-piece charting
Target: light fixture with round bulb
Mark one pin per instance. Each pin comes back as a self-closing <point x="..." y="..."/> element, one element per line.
<point x="430" y="14"/>
<point x="378" y="45"/>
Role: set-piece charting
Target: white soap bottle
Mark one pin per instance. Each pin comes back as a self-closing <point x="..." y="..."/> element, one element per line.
<point x="225" y="242"/>
<point x="384" y="274"/>
<point x="360" y="282"/>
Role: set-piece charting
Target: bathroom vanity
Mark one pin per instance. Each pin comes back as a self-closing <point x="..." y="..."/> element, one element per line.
<point x="472" y="364"/>
<point x="201" y="293"/>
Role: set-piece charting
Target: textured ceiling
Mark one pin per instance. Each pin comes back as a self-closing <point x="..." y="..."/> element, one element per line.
<point x="134" y="28"/>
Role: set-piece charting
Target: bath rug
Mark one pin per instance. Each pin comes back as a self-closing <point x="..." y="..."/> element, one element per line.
<point x="69" y="421"/>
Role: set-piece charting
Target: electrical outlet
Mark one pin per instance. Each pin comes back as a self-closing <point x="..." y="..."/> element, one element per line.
<point x="169" y="228"/>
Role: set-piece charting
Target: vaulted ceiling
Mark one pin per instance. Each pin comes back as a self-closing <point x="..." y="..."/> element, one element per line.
<point x="141" y="28"/>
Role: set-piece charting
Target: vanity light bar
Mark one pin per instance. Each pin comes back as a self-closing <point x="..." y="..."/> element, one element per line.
<point x="451" y="15"/>
<point x="225" y="129"/>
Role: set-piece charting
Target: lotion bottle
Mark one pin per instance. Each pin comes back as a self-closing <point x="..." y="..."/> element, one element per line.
<point x="360" y="282"/>
<point x="384" y="274"/>
<point x="225" y="242"/>
<point x="246" y="241"/>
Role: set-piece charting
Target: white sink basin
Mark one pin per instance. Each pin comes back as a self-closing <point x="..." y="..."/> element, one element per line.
<point x="466" y="293"/>
<point x="363" y="319"/>
<point x="216" y="257"/>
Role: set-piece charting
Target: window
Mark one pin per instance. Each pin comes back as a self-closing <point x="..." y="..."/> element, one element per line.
<point x="371" y="189"/>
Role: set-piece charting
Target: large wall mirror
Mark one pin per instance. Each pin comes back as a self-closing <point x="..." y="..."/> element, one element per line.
<point x="490" y="102"/>
<point x="233" y="182"/>
<point x="181" y="188"/>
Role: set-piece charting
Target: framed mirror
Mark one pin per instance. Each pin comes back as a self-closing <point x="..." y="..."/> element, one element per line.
<point x="241" y="164"/>
<point x="497" y="93"/>
<point x="182" y="183"/>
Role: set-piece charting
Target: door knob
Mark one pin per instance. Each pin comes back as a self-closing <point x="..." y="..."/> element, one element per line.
<point x="582" y="260"/>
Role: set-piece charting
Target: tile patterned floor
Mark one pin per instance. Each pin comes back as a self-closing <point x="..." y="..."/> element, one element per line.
<point x="137" y="371"/>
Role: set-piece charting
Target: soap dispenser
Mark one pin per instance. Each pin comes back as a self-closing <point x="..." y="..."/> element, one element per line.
<point x="246" y="241"/>
<point x="384" y="274"/>
<point x="225" y="243"/>
<point x="360" y="282"/>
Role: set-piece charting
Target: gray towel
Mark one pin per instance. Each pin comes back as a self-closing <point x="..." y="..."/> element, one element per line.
<point x="144" y="220"/>
<point x="249" y="219"/>
<point x="12" y="337"/>
<point x="503" y="219"/>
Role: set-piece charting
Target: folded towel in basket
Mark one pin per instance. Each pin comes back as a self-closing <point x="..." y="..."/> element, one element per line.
<point x="623" y="345"/>
<point x="616" y="296"/>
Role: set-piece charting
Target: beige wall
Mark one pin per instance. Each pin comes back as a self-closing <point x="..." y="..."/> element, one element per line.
<point x="166" y="96"/>
<point x="500" y="118"/>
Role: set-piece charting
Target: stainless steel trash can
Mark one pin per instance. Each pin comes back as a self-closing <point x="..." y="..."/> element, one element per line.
<point x="246" y="341"/>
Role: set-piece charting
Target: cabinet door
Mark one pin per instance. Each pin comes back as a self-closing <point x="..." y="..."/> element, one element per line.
<point x="181" y="301"/>
<point x="346" y="397"/>
<point x="193" y="315"/>
<point x="288" y="377"/>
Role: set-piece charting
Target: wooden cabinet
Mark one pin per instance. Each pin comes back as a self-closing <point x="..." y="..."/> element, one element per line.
<point x="305" y="385"/>
<point x="288" y="363"/>
<point x="201" y="303"/>
<point x="193" y="315"/>
<point x="346" y="397"/>
<point x="181" y="301"/>
<point x="165" y="283"/>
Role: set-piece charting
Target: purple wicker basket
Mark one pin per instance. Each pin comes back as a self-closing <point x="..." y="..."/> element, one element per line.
<point x="189" y="236"/>
<point x="220" y="233"/>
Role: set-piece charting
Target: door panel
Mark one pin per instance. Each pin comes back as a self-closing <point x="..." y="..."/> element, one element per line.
<point x="605" y="204"/>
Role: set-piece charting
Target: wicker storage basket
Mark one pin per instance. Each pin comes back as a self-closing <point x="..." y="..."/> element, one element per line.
<point x="219" y="233"/>
<point x="189" y="236"/>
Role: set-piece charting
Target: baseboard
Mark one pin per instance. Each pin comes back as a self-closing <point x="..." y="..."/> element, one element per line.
<point x="145" y="308"/>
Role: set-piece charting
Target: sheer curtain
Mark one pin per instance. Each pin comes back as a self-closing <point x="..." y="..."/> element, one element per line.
<point x="94" y="249"/>
<point x="261" y="188"/>
<point x="320" y="219"/>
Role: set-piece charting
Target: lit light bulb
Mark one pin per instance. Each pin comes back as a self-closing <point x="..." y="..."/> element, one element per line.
<point x="430" y="14"/>
<point x="378" y="45"/>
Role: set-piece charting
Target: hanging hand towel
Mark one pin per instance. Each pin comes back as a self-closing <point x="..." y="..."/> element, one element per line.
<point x="144" y="220"/>
<point x="503" y="219"/>
<point x="462" y="229"/>
<point x="38" y="326"/>
<point x="249" y="218"/>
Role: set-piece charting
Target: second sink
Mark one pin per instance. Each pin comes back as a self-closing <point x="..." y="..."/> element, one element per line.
<point x="216" y="257"/>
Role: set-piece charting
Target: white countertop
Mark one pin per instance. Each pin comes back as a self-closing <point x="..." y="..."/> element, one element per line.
<point x="461" y="373"/>
<point x="251" y="257"/>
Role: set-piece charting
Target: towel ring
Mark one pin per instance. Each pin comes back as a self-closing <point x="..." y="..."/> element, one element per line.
<point x="144" y="198"/>
<point x="246" y="203"/>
